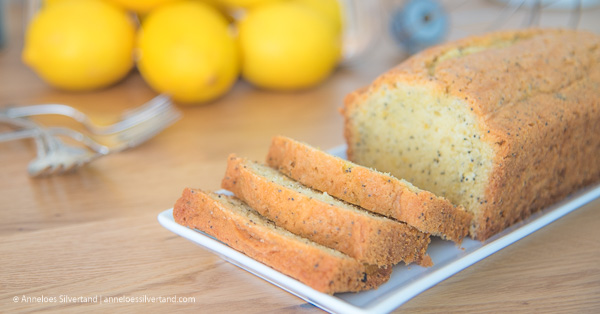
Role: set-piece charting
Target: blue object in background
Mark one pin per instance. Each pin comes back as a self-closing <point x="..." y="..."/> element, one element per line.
<point x="419" y="24"/>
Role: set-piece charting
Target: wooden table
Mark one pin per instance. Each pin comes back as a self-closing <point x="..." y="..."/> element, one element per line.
<point x="95" y="233"/>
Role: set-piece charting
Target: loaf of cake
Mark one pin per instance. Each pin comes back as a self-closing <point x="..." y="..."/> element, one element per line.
<point x="369" y="238"/>
<point x="503" y="124"/>
<point x="239" y="226"/>
<point x="368" y="188"/>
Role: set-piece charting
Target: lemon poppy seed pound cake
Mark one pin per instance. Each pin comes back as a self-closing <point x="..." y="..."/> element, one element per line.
<point x="503" y="124"/>
<point x="321" y="218"/>
<point x="239" y="226"/>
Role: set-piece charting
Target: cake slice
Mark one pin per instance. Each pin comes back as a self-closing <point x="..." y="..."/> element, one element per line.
<point x="239" y="226"/>
<point x="373" y="190"/>
<point x="370" y="238"/>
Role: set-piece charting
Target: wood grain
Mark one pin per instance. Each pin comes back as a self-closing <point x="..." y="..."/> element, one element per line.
<point x="94" y="232"/>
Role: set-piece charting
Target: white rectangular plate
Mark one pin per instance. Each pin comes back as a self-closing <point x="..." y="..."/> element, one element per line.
<point x="406" y="281"/>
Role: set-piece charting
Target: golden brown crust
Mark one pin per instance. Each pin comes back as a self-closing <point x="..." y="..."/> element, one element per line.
<point x="372" y="190"/>
<point x="368" y="238"/>
<point x="314" y="266"/>
<point x="536" y="96"/>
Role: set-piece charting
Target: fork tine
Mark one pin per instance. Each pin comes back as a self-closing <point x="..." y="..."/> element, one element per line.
<point x="159" y="127"/>
<point x="154" y="107"/>
<point x="62" y="157"/>
<point x="167" y="115"/>
<point x="154" y="102"/>
<point x="147" y="130"/>
<point x="41" y="166"/>
<point x="36" y="170"/>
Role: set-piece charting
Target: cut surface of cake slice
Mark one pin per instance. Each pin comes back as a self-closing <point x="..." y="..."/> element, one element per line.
<point x="368" y="237"/>
<point x="233" y="222"/>
<point x="368" y="188"/>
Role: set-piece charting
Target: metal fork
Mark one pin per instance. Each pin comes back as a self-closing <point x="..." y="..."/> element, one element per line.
<point x="55" y="156"/>
<point x="130" y="118"/>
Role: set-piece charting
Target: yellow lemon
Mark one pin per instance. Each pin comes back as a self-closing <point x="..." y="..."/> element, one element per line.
<point x="187" y="50"/>
<point x="243" y="4"/>
<point x="140" y="6"/>
<point x="222" y="8"/>
<point x="287" y="46"/>
<point x="80" y="44"/>
<point x="331" y="9"/>
<point x="51" y="2"/>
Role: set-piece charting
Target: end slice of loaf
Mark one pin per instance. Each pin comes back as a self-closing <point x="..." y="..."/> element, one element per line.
<point x="239" y="226"/>
<point x="373" y="190"/>
<point x="321" y="218"/>
<point x="504" y="124"/>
